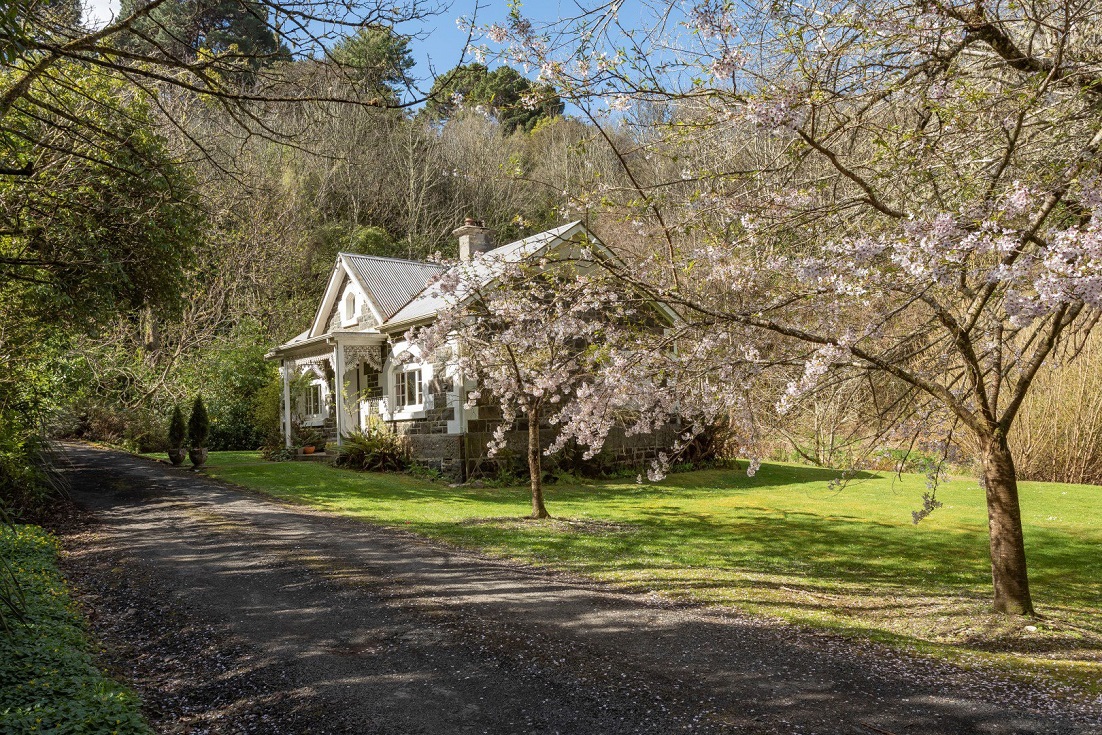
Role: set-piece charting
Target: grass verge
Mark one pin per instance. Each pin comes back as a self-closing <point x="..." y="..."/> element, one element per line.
<point x="48" y="681"/>
<point x="782" y="544"/>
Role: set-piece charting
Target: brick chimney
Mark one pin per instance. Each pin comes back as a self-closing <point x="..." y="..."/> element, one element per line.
<point x="473" y="238"/>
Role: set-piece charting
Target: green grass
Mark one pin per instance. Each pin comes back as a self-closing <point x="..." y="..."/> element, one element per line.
<point x="782" y="543"/>
<point x="48" y="681"/>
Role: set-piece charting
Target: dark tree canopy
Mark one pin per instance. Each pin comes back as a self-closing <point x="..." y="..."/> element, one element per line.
<point x="180" y="28"/>
<point x="513" y="100"/>
<point x="376" y="59"/>
<point x="107" y="220"/>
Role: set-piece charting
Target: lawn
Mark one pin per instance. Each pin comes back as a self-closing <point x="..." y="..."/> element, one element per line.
<point x="783" y="543"/>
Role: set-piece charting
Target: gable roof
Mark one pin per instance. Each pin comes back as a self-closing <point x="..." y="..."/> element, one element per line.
<point x="430" y="301"/>
<point x="386" y="284"/>
<point x="402" y="293"/>
<point x="390" y="282"/>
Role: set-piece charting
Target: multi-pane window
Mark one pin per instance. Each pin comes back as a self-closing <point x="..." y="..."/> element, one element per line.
<point x="313" y="400"/>
<point x="407" y="389"/>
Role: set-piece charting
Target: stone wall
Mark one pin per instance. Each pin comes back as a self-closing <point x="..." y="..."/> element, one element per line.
<point x="371" y="383"/>
<point x="430" y="442"/>
<point x="365" y="318"/>
<point x="461" y="457"/>
<point x="441" y="452"/>
<point x="620" y="452"/>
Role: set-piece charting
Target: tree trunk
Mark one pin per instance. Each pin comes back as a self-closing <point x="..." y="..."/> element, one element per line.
<point x="1008" y="567"/>
<point x="534" y="468"/>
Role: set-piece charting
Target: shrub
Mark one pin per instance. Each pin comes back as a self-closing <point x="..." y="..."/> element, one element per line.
<point x="277" y="453"/>
<point x="177" y="429"/>
<point x="233" y="428"/>
<point x="424" y="472"/>
<point x="377" y="449"/>
<point x="267" y="412"/>
<point x="198" y="426"/>
<point x="48" y="682"/>
<point x="311" y="438"/>
<point x="24" y="485"/>
<point x="231" y="372"/>
<point x="136" y="429"/>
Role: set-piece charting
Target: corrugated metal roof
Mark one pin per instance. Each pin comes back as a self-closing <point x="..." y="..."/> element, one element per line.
<point x="300" y="337"/>
<point x="401" y="288"/>
<point x="430" y="301"/>
<point x="391" y="282"/>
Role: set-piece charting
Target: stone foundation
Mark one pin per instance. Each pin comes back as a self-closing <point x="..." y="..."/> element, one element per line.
<point x="460" y="457"/>
<point x="620" y="452"/>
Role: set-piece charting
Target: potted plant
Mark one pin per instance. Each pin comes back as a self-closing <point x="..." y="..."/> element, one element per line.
<point x="314" y="441"/>
<point x="303" y="439"/>
<point x="177" y="434"/>
<point x="198" y="429"/>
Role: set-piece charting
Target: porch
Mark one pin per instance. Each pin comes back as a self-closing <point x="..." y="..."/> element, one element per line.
<point x="327" y="382"/>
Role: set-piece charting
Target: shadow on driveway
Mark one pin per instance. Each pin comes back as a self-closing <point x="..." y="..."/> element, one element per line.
<point x="368" y="629"/>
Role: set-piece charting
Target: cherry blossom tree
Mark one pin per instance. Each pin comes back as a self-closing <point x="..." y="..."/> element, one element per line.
<point x="904" y="193"/>
<point x="528" y="331"/>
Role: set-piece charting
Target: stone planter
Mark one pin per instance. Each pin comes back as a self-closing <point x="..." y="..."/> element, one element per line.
<point x="197" y="456"/>
<point x="176" y="456"/>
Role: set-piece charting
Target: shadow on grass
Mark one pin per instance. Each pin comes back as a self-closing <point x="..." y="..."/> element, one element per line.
<point x="706" y="482"/>
<point x="747" y="538"/>
<point x="780" y="558"/>
<point x="820" y="555"/>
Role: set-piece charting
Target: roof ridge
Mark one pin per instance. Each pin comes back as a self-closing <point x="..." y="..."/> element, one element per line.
<point x="554" y="233"/>
<point x="393" y="260"/>
<point x="565" y="226"/>
<point x="555" y="230"/>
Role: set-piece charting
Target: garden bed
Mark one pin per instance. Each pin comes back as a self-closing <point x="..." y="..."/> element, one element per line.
<point x="48" y="679"/>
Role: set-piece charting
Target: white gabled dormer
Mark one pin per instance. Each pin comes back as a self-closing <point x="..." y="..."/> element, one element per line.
<point x="346" y="304"/>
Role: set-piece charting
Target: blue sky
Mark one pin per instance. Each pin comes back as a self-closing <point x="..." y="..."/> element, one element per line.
<point x="439" y="42"/>
<point x="442" y="42"/>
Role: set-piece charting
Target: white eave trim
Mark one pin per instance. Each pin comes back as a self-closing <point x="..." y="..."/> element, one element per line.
<point x="327" y="301"/>
<point x="369" y="298"/>
<point x="392" y="327"/>
<point x="367" y="339"/>
<point x="333" y="292"/>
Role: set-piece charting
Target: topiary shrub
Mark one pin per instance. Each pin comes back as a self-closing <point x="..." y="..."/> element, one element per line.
<point x="177" y="429"/>
<point x="198" y="426"/>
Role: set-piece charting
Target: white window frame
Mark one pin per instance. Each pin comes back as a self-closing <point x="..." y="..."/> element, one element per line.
<point x="314" y="418"/>
<point x="349" y="315"/>
<point x="402" y="405"/>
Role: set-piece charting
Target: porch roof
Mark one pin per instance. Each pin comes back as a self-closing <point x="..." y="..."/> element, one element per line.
<point x="302" y="344"/>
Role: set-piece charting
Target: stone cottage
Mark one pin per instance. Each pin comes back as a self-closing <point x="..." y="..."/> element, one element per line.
<point x="346" y="367"/>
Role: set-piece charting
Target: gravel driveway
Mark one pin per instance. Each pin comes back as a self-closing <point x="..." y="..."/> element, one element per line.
<point x="230" y="612"/>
